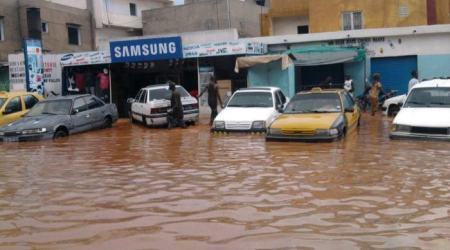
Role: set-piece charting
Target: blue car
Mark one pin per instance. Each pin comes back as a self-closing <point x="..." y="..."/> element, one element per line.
<point x="59" y="117"/>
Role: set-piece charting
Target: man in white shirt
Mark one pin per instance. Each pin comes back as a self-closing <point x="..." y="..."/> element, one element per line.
<point x="348" y="84"/>
<point x="414" y="80"/>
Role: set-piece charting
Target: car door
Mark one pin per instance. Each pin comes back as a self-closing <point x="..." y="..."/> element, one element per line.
<point x="136" y="107"/>
<point x="81" y="116"/>
<point x="351" y="111"/>
<point x="13" y="110"/>
<point x="96" y="109"/>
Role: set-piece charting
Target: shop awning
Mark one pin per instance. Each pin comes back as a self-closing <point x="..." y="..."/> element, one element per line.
<point x="249" y="61"/>
<point x="322" y="55"/>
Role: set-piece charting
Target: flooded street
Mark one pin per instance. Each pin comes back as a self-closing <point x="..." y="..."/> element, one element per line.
<point x="132" y="187"/>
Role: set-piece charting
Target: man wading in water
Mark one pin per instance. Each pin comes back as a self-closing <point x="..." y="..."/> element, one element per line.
<point x="213" y="96"/>
<point x="175" y="116"/>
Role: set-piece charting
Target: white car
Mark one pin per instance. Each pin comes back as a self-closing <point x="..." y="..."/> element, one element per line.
<point x="151" y="104"/>
<point x="426" y="112"/>
<point x="251" y="110"/>
<point x="392" y="106"/>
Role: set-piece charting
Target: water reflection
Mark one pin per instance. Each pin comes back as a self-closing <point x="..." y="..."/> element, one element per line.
<point x="136" y="188"/>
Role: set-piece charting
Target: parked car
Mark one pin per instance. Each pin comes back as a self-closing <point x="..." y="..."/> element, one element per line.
<point x="151" y="104"/>
<point x="426" y="112"/>
<point x="392" y="106"/>
<point x="251" y="110"/>
<point x="316" y="115"/>
<point x="59" y="117"/>
<point x="13" y="105"/>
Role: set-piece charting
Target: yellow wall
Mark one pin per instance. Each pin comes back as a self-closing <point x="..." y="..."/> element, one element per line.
<point x="326" y="15"/>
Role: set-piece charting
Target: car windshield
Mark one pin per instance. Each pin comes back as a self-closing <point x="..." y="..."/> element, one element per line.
<point x="56" y="107"/>
<point x="315" y="103"/>
<point x="164" y="93"/>
<point x="2" y="101"/>
<point x="428" y="97"/>
<point x="251" y="100"/>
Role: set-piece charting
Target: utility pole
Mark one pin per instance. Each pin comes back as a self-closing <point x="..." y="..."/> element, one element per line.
<point x="229" y="14"/>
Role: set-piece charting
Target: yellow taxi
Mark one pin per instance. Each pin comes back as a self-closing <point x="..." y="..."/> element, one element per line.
<point x="13" y="105"/>
<point x="318" y="114"/>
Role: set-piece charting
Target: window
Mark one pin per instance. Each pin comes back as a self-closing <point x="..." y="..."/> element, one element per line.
<point x="13" y="106"/>
<point x="2" y="29"/>
<point x="30" y="101"/>
<point x="73" y="32"/>
<point x="283" y="98"/>
<point x="165" y="93"/>
<point x="348" y="102"/>
<point x="44" y="27"/>
<point x="92" y="102"/>
<point x="303" y="29"/>
<point x="79" y="105"/>
<point x="143" y="97"/>
<point x="278" y="101"/>
<point x="352" y="20"/>
<point x="251" y="99"/>
<point x="133" y="11"/>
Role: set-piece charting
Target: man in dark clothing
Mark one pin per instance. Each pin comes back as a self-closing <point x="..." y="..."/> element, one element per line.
<point x="175" y="115"/>
<point x="213" y="96"/>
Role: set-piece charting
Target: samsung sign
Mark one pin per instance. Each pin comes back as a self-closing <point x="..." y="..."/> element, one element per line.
<point x="146" y="49"/>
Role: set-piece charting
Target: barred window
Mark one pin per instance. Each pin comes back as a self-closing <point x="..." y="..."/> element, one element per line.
<point x="352" y="20"/>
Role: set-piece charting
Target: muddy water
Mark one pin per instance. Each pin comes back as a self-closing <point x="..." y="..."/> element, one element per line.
<point x="136" y="188"/>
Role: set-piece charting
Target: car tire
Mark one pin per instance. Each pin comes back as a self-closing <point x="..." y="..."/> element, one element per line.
<point x="107" y="122"/>
<point x="130" y="115"/>
<point x="60" y="133"/>
<point x="144" y="121"/>
<point x="393" y="109"/>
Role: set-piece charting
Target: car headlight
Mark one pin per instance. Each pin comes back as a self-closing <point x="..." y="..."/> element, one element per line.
<point x="401" y="128"/>
<point x="219" y="125"/>
<point x="275" y="131"/>
<point x="259" y="125"/>
<point x="332" y="132"/>
<point x="34" y="131"/>
<point x="339" y="122"/>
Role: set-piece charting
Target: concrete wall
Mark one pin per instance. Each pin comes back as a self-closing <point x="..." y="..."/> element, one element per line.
<point x="431" y="66"/>
<point x="58" y="16"/>
<point x="12" y="42"/>
<point x="271" y="74"/>
<point x="204" y="15"/>
<point x="326" y="15"/>
<point x="80" y="4"/>
<point x="288" y="25"/>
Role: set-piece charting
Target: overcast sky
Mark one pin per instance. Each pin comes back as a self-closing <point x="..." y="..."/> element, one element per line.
<point x="179" y="1"/>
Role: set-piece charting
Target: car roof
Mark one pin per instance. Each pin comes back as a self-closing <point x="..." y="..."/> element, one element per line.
<point x="159" y="86"/>
<point x="14" y="93"/>
<point x="67" y="97"/>
<point x="435" y="83"/>
<point x="271" y="89"/>
<point x="320" y="90"/>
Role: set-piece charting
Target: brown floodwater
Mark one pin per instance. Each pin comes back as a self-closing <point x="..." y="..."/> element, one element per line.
<point x="132" y="187"/>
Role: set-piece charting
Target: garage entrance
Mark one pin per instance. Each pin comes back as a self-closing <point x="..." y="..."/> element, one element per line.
<point x="395" y="71"/>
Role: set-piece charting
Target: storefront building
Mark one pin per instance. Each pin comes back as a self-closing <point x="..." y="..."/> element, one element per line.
<point x="392" y="52"/>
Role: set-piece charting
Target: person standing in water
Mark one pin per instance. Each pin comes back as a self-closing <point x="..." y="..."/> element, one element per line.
<point x="213" y="96"/>
<point x="375" y="92"/>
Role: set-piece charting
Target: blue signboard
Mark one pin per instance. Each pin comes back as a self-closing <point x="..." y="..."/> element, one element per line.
<point x="142" y="50"/>
<point x="34" y="65"/>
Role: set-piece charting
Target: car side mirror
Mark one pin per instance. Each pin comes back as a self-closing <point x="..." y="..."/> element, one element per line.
<point x="280" y="108"/>
<point x="74" y="112"/>
<point x="131" y="100"/>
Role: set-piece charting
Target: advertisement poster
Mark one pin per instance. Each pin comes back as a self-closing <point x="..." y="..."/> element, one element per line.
<point x="223" y="49"/>
<point x="51" y="76"/>
<point x="85" y="58"/>
<point x="34" y="66"/>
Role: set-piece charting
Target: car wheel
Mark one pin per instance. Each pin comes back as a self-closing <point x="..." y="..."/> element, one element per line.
<point x="393" y="110"/>
<point x="107" y="122"/>
<point x="144" y="121"/>
<point x="60" y="133"/>
<point x="130" y="115"/>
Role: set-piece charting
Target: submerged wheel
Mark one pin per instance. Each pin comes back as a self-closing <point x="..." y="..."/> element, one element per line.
<point x="393" y="110"/>
<point x="107" y="122"/>
<point x="60" y="133"/>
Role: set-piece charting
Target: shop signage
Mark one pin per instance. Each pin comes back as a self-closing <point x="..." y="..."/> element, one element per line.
<point x="34" y="73"/>
<point x="51" y="73"/>
<point x="223" y="49"/>
<point x="85" y="58"/>
<point x="142" y="50"/>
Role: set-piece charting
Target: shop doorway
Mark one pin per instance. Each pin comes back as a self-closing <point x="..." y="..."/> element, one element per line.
<point x="395" y="71"/>
<point x="307" y="77"/>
